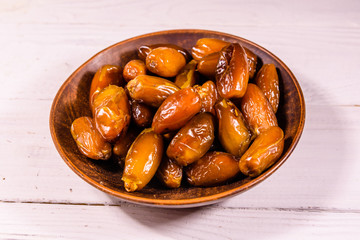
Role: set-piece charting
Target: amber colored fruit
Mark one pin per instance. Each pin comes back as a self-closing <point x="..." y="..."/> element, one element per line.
<point x="232" y="73"/>
<point x="144" y="50"/>
<point x="89" y="140"/>
<point x="124" y="142"/>
<point x="165" y="62"/>
<point x="206" y="46"/>
<point x="257" y="110"/>
<point x="151" y="90"/>
<point x="187" y="76"/>
<point x="133" y="69"/>
<point x="142" y="160"/>
<point x="233" y="133"/>
<point x="170" y="173"/>
<point x="193" y="140"/>
<point x="268" y="81"/>
<point x="176" y="111"/>
<point x="212" y="169"/>
<point x="112" y="112"/>
<point x="105" y="76"/>
<point x="207" y="65"/>
<point x="142" y="114"/>
<point x="252" y="62"/>
<point x="209" y="96"/>
<point x="263" y="152"/>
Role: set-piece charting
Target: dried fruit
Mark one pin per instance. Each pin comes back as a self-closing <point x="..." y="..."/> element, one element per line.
<point x="165" y="62"/>
<point x="257" y="110"/>
<point x="112" y="112"/>
<point x="268" y="81"/>
<point x="263" y="152"/>
<point x="89" y="140"/>
<point x="169" y="173"/>
<point x="105" y="76"/>
<point x="193" y="140"/>
<point x="151" y="90"/>
<point x="212" y="169"/>
<point x="187" y="76"/>
<point x="133" y="69"/>
<point x="176" y="111"/>
<point x="142" y="160"/>
<point x="232" y="73"/>
<point x="233" y="133"/>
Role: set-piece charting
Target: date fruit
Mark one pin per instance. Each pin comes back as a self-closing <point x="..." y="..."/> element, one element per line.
<point x="133" y="69"/>
<point x="232" y="72"/>
<point x="206" y="46"/>
<point x="193" y="140"/>
<point x="165" y="62"/>
<point x="263" y="152"/>
<point x="151" y="90"/>
<point x="257" y="110"/>
<point x="268" y="81"/>
<point x="209" y="96"/>
<point x="112" y="112"/>
<point x="233" y="133"/>
<point x="187" y="76"/>
<point x="176" y="111"/>
<point x="105" y="76"/>
<point x="207" y="65"/>
<point x="142" y="160"/>
<point x="142" y="114"/>
<point x="89" y="140"/>
<point x="144" y="50"/>
<point x="212" y="169"/>
<point x="169" y="173"/>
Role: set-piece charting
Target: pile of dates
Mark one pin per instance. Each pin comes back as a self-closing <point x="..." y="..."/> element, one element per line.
<point x="171" y="114"/>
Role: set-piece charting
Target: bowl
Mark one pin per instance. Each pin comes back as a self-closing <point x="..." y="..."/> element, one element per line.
<point x="71" y="102"/>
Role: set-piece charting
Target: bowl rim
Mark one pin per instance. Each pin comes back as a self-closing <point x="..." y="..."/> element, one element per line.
<point x="192" y="202"/>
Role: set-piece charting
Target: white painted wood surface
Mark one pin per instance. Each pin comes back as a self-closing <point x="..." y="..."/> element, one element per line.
<point x="314" y="195"/>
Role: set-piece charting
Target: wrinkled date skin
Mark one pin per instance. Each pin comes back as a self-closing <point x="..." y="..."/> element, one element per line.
<point x="142" y="160"/>
<point x="232" y="73"/>
<point x="187" y="76"/>
<point x="112" y="112"/>
<point x="209" y="96"/>
<point x="123" y="144"/>
<point x="170" y="173"/>
<point x="165" y="62"/>
<point x="233" y="133"/>
<point x="263" y="152"/>
<point x="206" y="51"/>
<point x="176" y="111"/>
<point x="89" y="140"/>
<point x="212" y="169"/>
<point x="133" y="69"/>
<point x="142" y="114"/>
<point x="206" y="46"/>
<point x="144" y="50"/>
<point x="193" y="140"/>
<point x="151" y="90"/>
<point x="105" y="76"/>
<point x="207" y="65"/>
<point x="268" y="81"/>
<point x="252" y="62"/>
<point x="257" y="110"/>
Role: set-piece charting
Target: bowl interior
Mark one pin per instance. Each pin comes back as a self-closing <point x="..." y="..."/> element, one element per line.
<point x="72" y="102"/>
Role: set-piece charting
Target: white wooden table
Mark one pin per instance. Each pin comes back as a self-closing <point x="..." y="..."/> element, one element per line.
<point x="314" y="195"/>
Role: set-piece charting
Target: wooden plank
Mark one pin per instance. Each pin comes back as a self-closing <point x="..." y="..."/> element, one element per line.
<point x="49" y="221"/>
<point x="322" y="172"/>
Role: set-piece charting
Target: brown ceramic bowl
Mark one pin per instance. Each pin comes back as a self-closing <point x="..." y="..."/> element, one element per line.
<point x="71" y="102"/>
